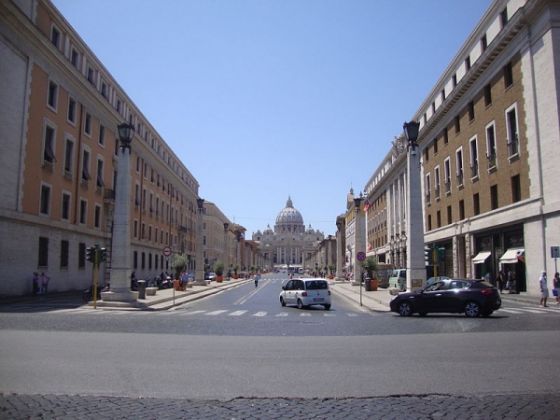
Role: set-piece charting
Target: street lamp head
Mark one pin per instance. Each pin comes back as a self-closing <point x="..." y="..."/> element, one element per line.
<point x="200" y="203"/>
<point x="125" y="135"/>
<point x="226" y="226"/>
<point x="358" y="201"/>
<point x="411" y="129"/>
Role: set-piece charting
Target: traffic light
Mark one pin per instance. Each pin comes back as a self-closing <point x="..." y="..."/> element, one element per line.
<point x="428" y="255"/>
<point x="90" y="253"/>
<point x="102" y="254"/>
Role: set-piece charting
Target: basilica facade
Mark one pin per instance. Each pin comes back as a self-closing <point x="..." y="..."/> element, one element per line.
<point x="290" y="244"/>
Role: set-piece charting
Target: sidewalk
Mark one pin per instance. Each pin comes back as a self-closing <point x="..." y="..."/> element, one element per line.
<point x="167" y="298"/>
<point x="374" y="301"/>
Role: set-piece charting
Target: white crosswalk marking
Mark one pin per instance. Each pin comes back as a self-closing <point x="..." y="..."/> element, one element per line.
<point x="510" y="311"/>
<point x="193" y="312"/>
<point x="304" y="314"/>
<point x="329" y="315"/>
<point x="351" y="314"/>
<point x="542" y="309"/>
<point x="533" y="311"/>
<point x="237" y="313"/>
<point x="261" y="313"/>
<point x="218" y="312"/>
<point x="284" y="314"/>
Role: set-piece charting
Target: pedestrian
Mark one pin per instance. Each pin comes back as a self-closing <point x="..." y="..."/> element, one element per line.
<point x="500" y="280"/>
<point x="44" y="283"/>
<point x="556" y="290"/>
<point x="35" y="282"/>
<point x="257" y="278"/>
<point x="544" y="289"/>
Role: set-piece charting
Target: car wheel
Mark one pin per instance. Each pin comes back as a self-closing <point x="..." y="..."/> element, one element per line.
<point x="472" y="309"/>
<point x="405" y="309"/>
<point x="299" y="304"/>
<point x="282" y="302"/>
<point x="327" y="307"/>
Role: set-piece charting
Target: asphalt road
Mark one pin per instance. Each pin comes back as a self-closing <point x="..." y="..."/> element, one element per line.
<point x="242" y="344"/>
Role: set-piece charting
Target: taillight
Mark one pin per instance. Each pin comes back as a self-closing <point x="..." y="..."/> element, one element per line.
<point x="304" y="293"/>
<point x="486" y="292"/>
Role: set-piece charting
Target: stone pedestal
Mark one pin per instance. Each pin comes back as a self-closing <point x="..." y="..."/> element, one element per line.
<point x="415" y="264"/>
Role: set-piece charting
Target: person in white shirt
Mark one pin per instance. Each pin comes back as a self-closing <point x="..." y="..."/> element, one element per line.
<point x="544" y="289"/>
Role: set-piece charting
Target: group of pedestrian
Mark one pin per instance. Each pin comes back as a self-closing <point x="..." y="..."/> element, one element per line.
<point x="40" y="283"/>
<point x="544" y="288"/>
<point x="506" y="280"/>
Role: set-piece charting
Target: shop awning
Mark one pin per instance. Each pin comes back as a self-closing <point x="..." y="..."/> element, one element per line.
<point x="481" y="257"/>
<point x="512" y="256"/>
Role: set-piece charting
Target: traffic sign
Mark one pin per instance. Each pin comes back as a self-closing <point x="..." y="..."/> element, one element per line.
<point x="555" y="251"/>
<point x="166" y="251"/>
<point x="361" y="256"/>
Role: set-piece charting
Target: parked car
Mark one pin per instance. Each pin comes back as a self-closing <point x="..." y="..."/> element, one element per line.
<point x="305" y="292"/>
<point x="473" y="297"/>
<point x="432" y="280"/>
<point x="397" y="280"/>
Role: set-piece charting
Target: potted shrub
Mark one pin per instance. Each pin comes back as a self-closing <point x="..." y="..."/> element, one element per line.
<point x="370" y="266"/>
<point x="179" y="264"/>
<point x="219" y="270"/>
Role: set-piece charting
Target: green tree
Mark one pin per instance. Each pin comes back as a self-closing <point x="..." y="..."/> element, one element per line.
<point x="179" y="264"/>
<point x="370" y="266"/>
<point x="219" y="268"/>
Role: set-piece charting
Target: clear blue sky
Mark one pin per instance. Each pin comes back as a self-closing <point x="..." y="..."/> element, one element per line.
<point x="265" y="99"/>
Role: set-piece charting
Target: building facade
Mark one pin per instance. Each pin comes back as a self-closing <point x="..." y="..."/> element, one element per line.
<point x="60" y="108"/>
<point x="290" y="243"/>
<point x="488" y="135"/>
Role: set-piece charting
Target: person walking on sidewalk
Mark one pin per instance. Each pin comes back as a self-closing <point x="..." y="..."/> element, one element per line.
<point x="257" y="278"/>
<point x="44" y="283"/>
<point x="556" y="285"/>
<point x="544" y="289"/>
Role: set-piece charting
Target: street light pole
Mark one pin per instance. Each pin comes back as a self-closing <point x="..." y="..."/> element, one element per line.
<point x="199" y="271"/>
<point x="226" y="248"/>
<point x="415" y="265"/>
<point x="121" y="267"/>
<point x="358" y="242"/>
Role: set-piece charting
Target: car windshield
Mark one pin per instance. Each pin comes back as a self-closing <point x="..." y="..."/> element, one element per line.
<point x="316" y="285"/>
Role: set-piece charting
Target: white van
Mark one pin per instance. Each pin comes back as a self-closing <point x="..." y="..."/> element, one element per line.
<point x="305" y="292"/>
<point x="398" y="279"/>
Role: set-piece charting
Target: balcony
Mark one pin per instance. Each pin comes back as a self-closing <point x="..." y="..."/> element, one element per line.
<point x="491" y="162"/>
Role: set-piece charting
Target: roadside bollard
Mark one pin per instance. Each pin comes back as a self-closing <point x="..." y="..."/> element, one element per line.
<point x="141" y="289"/>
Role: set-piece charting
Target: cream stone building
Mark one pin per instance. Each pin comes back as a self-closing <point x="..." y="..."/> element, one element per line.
<point x="489" y="131"/>
<point x="59" y="110"/>
<point x="290" y="243"/>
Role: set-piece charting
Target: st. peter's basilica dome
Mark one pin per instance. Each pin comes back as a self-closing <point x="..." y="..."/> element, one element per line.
<point x="289" y="216"/>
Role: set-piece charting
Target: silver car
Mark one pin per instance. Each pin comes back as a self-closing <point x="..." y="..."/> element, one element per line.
<point x="305" y="292"/>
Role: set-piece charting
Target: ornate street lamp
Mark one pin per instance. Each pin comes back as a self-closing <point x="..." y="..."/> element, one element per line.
<point x="415" y="266"/>
<point x="199" y="271"/>
<point x="125" y="135"/>
<point x="411" y="129"/>
<point x="121" y="258"/>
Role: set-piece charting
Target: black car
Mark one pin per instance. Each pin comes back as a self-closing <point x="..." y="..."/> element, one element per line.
<point x="473" y="297"/>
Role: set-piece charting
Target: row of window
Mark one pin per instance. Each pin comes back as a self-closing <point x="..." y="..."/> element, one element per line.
<point x="49" y="157"/>
<point x="64" y="263"/>
<point x="515" y="185"/>
<point x="465" y="67"/>
<point x="512" y="144"/>
<point x="45" y="206"/>
<point x="94" y="77"/>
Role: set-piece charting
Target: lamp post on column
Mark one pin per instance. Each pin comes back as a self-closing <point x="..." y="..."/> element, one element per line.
<point x="359" y="243"/>
<point x="415" y="266"/>
<point x="226" y="247"/>
<point x="121" y="267"/>
<point x="339" y="248"/>
<point x="199" y="271"/>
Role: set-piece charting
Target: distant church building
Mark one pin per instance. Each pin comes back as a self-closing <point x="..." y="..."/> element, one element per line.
<point x="289" y="244"/>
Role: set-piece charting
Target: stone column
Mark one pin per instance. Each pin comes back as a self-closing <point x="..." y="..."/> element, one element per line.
<point x="359" y="243"/>
<point x="415" y="266"/>
<point x="121" y="264"/>
<point x="199" y="269"/>
<point x="226" y="248"/>
<point x="339" y="249"/>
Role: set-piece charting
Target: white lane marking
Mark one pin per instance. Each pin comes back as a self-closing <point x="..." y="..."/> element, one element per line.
<point x="331" y="315"/>
<point x="510" y="311"/>
<point x="218" y="312"/>
<point x="261" y="313"/>
<point x="304" y="314"/>
<point x="192" y="312"/>
<point x="351" y="314"/>
<point x="282" y="314"/>
<point x="237" y="313"/>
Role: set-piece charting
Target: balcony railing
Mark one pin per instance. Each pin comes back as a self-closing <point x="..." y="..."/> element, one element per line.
<point x="513" y="146"/>
<point x="474" y="169"/>
<point x="460" y="178"/>
<point x="436" y="193"/>
<point x="448" y="186"/>
<point x="491" y="161"/>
